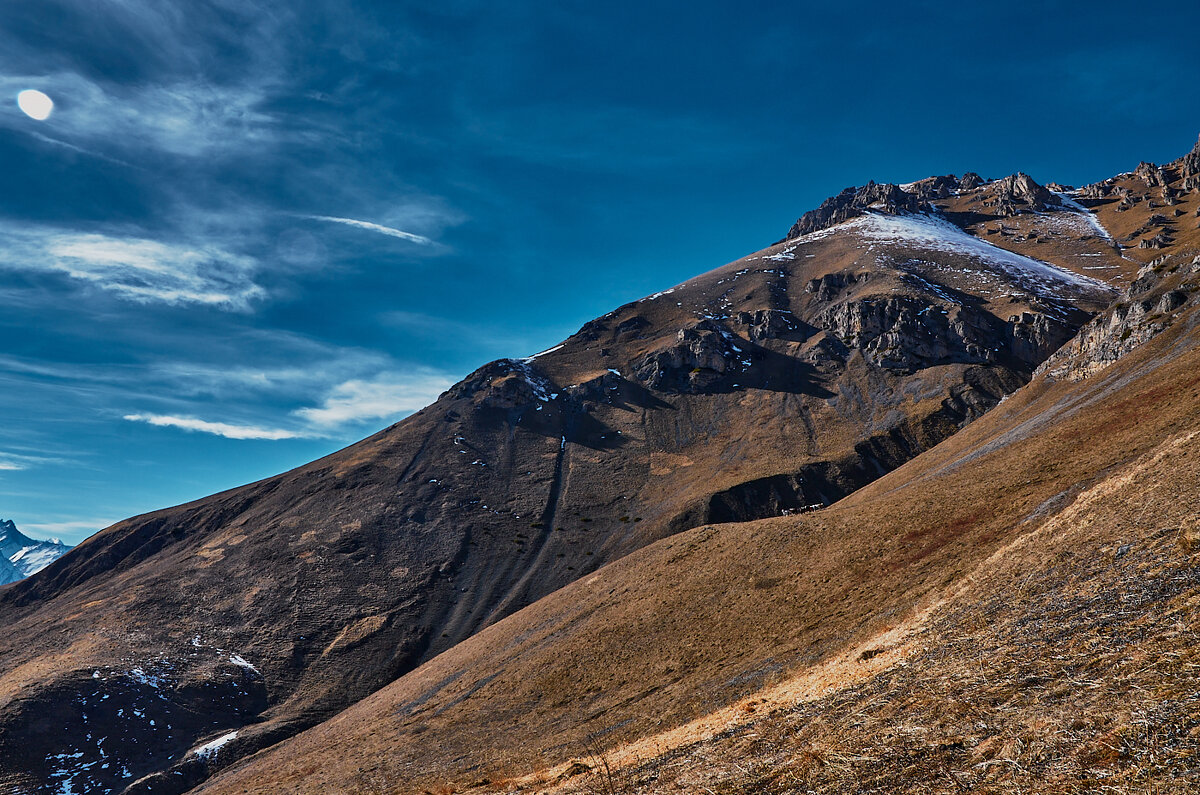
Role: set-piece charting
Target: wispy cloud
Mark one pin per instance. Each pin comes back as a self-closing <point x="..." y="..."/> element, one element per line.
<point x="15" y="462"/>
<point x="134" y="268"/>
<point x="182" y="119"/>
<point x="384" y="396"/>
<point x="381" y="229"/>
<point x="345" y="406"/>
<point x="225" y="429"/>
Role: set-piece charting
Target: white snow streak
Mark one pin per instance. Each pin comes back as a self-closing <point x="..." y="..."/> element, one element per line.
<point x="1087" y="214"/>
<point x="937" y="234"/>
<point x="237" y="659"/>
<point x="210" y="749"/>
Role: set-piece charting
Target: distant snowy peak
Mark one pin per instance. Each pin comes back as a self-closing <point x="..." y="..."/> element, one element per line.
<point x="9" y="572"/>
<point x="22" y="556"/>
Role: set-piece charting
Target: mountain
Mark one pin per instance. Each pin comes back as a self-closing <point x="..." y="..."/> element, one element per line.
<point x="1011" y="611"/>
<point x="9" y="572"/>
<point x="626" y="532"/>
<point x="1007" y="612"/>
<point x="24" y="555"/>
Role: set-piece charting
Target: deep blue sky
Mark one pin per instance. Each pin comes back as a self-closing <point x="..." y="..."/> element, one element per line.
<point x="170" y="276"/>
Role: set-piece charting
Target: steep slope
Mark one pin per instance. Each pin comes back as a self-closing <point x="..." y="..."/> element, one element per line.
<point x="782" y="381"/>
<point x="26" y="555"/>
<point x="878" y="610"/>
<point x="9" y="572"/>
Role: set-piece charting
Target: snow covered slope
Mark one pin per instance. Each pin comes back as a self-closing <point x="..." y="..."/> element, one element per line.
<point x="24" y="555"/>
<point x="9" y="572"/>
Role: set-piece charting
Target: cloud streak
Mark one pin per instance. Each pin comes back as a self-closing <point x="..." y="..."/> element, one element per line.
<point x="345" y="405"/>
<point x="383" y="230"/>
<point x="228" y="430"/>
<point x="385" y="396"/>
<point x="181" y="119"/>
<point x="15" y="462"/>
<point x="136" y="269"/>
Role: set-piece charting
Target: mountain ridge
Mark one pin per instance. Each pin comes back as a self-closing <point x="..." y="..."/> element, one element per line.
<point x="787" y="379"/>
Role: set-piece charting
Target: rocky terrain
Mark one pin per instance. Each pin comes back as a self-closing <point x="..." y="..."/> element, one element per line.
<point x="727" y="486"/>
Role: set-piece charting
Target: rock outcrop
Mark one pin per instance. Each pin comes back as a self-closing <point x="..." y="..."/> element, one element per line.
<point x="699" y="357"/>
<point x="770" y="324"/>
<point x="904" y="333"/>
<point x="1019" y="193"/>
<point x="1164" y="287"/>
<point x="1033" y="336"/>
<point x="970" y="181"/>
<point x="853" y="202"/>
<point x="1150" y="174"/>
<point x="1189" y="164"/>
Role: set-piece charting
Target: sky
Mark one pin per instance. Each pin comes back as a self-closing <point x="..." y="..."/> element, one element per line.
<point x="250" y="233"/>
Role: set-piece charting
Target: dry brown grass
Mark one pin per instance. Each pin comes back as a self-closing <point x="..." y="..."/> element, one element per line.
<point x="1070" y="664"/>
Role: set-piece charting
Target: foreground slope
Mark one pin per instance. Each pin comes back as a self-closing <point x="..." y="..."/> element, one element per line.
<point x="172" y="644"/>
<point x="956" y="623"/>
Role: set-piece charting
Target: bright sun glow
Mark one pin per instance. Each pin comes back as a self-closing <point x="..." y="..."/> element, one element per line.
<point x="35" y="104"/>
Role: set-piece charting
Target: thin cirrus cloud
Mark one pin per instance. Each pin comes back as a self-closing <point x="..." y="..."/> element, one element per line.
<point x="381" y="229"/>
<point x="16" y="462"/>
<point x="137" y="269"/>
<point x="182" y="119"/>
<point x="346" y="404"/>
<point x="371" y="399"/>
<point x="228" y="430"/>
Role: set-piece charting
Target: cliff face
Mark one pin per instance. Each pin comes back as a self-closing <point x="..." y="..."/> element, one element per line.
<point x="1164" y="289"/>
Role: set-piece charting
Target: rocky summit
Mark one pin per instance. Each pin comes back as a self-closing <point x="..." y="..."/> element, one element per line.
<point x="744" y="518"/>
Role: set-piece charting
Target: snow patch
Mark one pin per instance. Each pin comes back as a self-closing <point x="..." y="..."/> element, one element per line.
<point x="237" y="659"/>
<point x="210" y="749"/>
<point x="141" y="677"/>
<point x="1087" y="215"/>
<point x="541" y="386"/>
<point x="937" y="234"/>
<point x="543" y="353"/>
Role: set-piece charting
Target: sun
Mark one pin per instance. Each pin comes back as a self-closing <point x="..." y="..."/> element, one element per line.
<point x="35" y="104"/>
